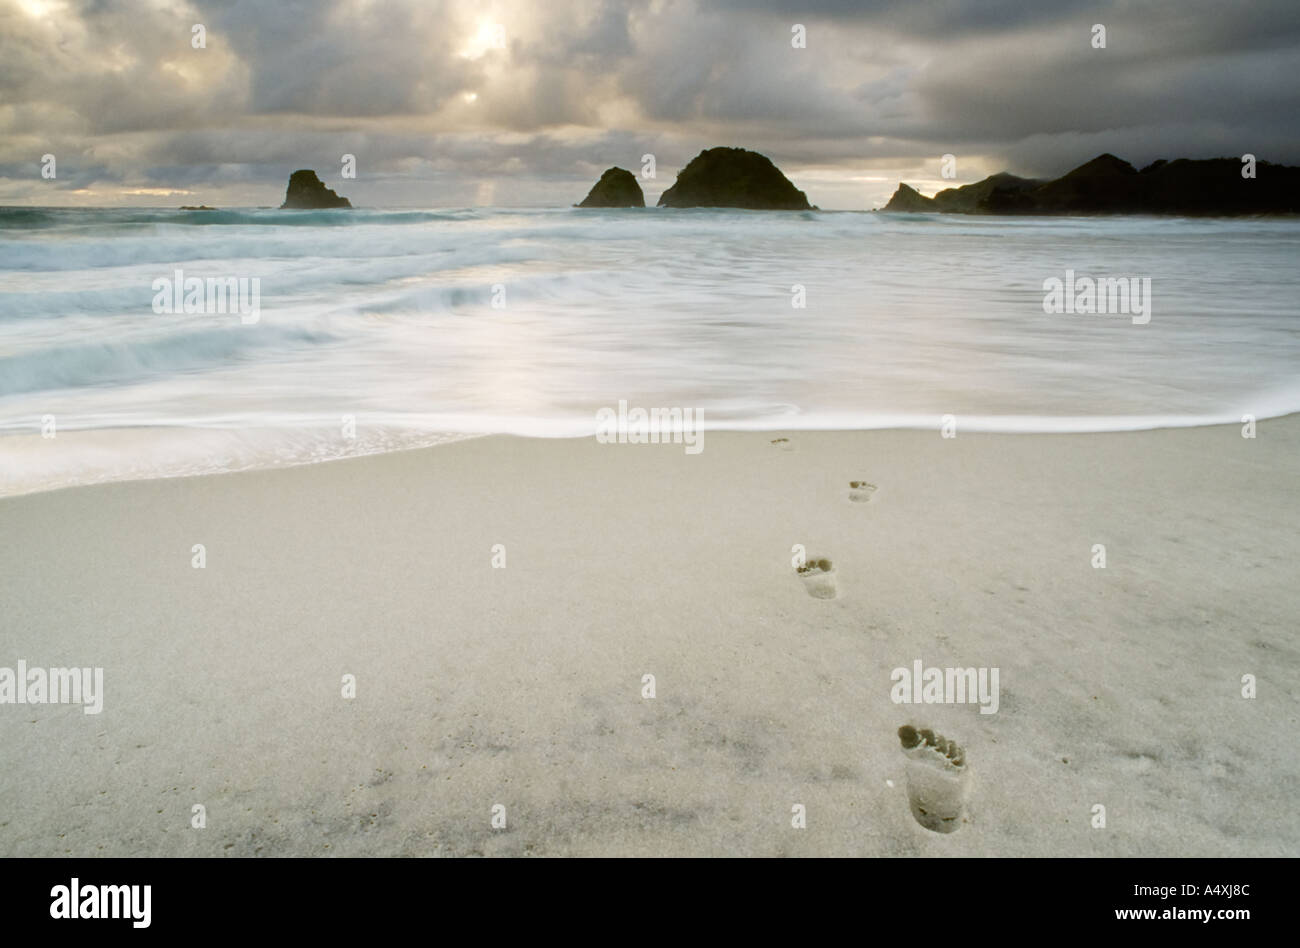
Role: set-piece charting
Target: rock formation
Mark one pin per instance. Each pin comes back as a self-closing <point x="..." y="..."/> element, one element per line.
<point x="908" y="200"/>
<point x="734" y="177"/>
<point x="1108" y="185"/>
<point x="616" y="188"/>
<point x="308" y="192"/>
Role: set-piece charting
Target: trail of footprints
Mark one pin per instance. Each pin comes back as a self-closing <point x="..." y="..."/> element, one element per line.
<point x="817" y="572"/>
<point x="938" y="778"/>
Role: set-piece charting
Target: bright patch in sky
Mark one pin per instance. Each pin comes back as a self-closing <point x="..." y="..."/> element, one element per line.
<point x="490" y="36"/>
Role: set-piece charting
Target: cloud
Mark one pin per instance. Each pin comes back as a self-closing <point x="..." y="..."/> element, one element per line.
<point x="435" y="96"/>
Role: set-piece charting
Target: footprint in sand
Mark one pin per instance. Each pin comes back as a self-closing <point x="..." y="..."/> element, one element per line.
<point x="860" y="491"/>
<point x="818" y="577"/>
<point x="937" y="779"/>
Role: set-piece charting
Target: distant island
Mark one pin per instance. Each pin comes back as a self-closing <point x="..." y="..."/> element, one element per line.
<point x="1109" y="185"/>
<point x="308" y="192"/>
<point x="738" y="178"/>
<point x="617" y="187"/>
<point x="716" y="177"/>
<point x="734" y="177"/>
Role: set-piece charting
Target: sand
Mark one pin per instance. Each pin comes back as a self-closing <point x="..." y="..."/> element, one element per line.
<point x="522" y="687"/>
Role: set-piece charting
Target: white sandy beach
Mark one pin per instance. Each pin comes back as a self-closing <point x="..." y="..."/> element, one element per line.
<point x="522" y="686"/>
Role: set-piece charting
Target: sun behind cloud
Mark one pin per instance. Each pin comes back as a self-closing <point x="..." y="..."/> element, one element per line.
<point x="490" y="36"/>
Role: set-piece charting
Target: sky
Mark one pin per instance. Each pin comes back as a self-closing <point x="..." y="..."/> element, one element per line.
<point x="452" y="103"/>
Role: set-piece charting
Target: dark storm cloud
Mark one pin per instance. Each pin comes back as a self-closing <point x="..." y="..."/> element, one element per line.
<point x="419" y="91"/>
<point x="921" y="18"/>
<point x="1203" y="25"/>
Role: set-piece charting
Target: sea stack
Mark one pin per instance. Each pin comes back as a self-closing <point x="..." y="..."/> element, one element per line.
<point x="308" y="192"/>
<point x="616" y="188"/>
<point x="908" y="200"/>
<point x="734" y="177"/>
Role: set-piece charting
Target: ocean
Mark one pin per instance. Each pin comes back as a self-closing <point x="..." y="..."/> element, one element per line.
<point x="378" y="330"/>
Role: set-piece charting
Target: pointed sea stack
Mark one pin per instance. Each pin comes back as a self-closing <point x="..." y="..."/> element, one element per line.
<point x="908" y="200"/>
<point x="1001" y="189"/>
<point x="308" y="192"/>
<point x="734" y="177"/>
<point x="616" y="188"/>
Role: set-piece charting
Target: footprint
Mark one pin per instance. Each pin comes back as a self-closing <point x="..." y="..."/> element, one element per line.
<point x="937" y="779"/>
<point x="818" y="577"/>
<point x="785" y="444"/>
<point x="860" y="491"/>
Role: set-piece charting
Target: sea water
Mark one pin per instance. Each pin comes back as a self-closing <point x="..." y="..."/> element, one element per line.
<point x="378" y="330"/>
